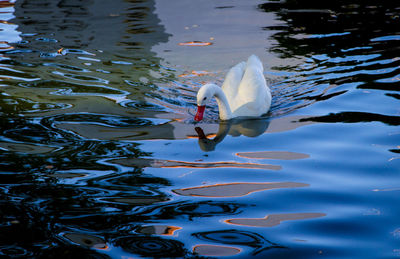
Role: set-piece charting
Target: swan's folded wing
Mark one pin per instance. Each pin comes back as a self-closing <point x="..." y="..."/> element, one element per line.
<point x="253" y="88"/>
<point x="232" y="80"/>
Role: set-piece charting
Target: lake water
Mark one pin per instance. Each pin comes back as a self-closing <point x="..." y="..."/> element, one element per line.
<point x="100" y="156"/>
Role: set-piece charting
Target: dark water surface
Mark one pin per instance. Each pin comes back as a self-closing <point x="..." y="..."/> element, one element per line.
<point x="100" y="156"/>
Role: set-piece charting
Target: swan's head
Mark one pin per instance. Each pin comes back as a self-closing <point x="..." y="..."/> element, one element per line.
<point x="204" y="95"/>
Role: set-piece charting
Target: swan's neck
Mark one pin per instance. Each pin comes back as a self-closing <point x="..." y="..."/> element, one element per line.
<point x="225" y="112"/>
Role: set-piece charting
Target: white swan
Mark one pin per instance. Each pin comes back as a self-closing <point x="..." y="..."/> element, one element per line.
<point x="244" y="92"/>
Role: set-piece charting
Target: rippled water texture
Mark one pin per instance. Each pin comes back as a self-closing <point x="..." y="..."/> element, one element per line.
<point x="100" y="156"/>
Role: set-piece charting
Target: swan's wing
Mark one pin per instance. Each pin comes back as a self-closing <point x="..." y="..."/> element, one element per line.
<point x="232" y="80"/>
<point x="253" y="88"/>
<point x="253" y="82"/>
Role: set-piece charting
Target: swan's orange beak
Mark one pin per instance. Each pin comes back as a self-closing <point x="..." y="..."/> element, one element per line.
<point x="200" y="113"/>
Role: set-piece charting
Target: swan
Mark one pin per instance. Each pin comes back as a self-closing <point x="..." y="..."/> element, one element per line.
<point x="244" y="92"/>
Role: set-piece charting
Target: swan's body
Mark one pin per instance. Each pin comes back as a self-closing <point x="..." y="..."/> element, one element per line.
<point x="244" y="92"/>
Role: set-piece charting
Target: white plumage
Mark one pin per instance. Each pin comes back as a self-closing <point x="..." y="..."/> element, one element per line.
<point x="244" y="92"/>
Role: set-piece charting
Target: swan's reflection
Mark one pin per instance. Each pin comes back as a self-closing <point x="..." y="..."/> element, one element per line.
<point x="95" y="126"/>
<point x="246" y="127"/>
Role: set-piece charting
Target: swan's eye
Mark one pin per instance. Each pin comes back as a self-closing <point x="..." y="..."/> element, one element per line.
<point x="205" y="98"/>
